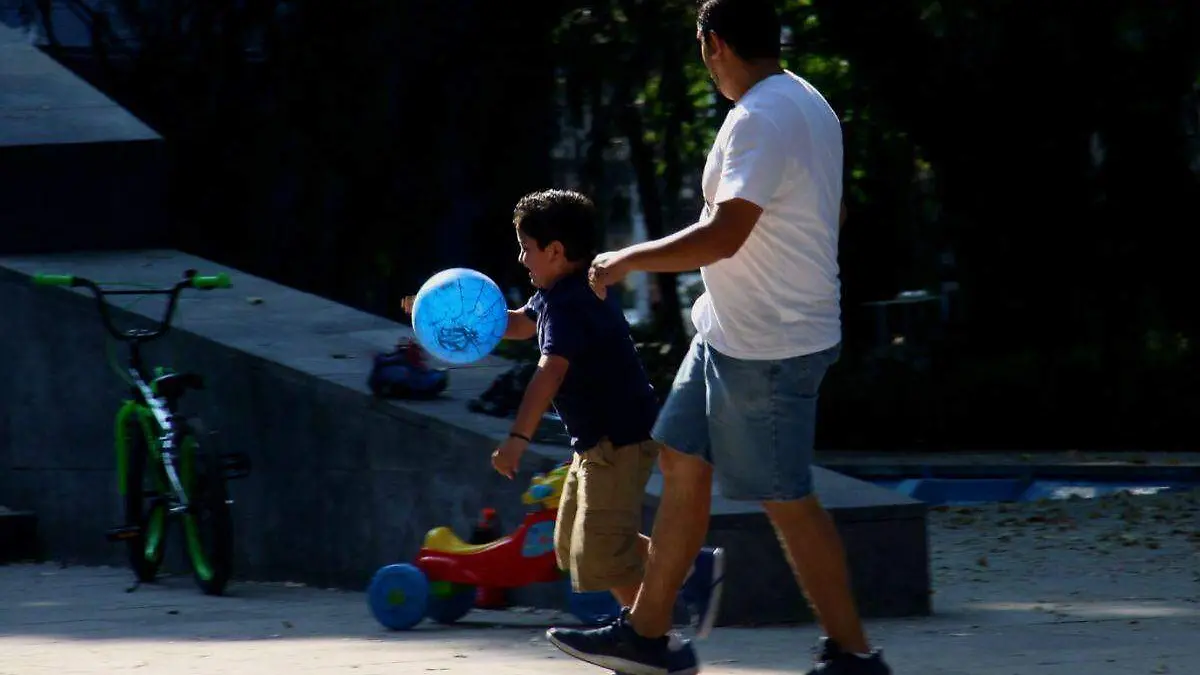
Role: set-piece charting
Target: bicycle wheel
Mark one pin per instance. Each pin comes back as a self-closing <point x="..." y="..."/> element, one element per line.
<point x="144" y="483"/>
<point x="208" y="525"/>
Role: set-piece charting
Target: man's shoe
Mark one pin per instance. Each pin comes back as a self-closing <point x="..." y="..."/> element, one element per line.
<point x="619" y="648"/>
<point x="832" y="660"/>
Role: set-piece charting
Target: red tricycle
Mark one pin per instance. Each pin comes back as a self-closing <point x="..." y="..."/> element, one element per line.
<point x="441" y="583"/>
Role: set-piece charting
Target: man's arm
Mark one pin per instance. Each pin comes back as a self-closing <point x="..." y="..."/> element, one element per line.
<point x="753" y="162"/>
<point x="717" y="237"/>
<point x="541" y="390"/>
<point x="520" y="326"/>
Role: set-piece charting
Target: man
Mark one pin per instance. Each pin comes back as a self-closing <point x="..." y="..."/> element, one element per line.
<point x="743" y="405"/>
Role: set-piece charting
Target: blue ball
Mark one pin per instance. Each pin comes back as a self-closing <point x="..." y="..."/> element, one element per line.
<point x="459" y="315"/>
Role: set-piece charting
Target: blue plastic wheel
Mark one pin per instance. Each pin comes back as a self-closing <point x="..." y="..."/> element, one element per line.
<point x="592" y="609"/>
<point x="449" y="602"/>
<point x="398" y="596"/>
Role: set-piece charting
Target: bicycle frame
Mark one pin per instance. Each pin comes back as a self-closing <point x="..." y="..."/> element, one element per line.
<point x="166" y="419"/>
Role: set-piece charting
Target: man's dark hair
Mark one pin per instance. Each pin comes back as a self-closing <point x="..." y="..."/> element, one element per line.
<point x="750" y="27"/>
<point x="565" y="216"/>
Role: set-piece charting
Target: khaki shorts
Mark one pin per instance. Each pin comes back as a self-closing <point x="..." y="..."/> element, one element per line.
<point x="600" y="515"/>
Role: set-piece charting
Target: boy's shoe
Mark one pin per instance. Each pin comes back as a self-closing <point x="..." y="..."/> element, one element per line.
<point x="701" y="592"/>
<point x="619" y="648"/>
<point x="832" y="660"/>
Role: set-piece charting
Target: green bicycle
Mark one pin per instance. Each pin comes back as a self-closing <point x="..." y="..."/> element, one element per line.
<point x="162" y="474"/>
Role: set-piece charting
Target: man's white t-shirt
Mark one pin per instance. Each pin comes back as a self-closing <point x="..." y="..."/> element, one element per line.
<point x="779" y="296"/>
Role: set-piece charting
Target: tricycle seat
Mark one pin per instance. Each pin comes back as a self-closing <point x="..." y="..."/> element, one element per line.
<point x="443" y="540"/>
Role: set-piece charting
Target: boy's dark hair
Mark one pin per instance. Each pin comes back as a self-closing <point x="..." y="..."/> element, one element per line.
<point x="750" y="27"/>
<point x="565" y="216"/>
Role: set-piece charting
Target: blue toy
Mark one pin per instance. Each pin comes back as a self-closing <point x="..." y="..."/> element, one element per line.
<point x="459" y="315"/>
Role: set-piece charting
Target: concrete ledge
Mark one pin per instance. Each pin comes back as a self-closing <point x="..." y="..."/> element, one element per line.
<point x="886" y="546"/>
<point x="77" y="171"/>
<point x="343" y="483"/>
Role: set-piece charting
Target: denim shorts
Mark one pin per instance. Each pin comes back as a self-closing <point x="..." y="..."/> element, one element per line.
<point x="754" y="421"/>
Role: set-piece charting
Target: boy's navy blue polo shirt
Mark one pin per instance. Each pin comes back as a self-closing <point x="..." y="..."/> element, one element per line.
<point x="606" y="392"/>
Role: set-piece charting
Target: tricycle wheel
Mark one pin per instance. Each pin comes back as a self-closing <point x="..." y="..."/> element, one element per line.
<point x="449" y="602"/>
<point x="398" y="596"/>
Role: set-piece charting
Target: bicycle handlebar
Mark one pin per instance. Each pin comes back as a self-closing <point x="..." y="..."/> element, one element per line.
<point x="190" y="280"/>
<point x="54" y="280"/>
<point x="203" y="283"/>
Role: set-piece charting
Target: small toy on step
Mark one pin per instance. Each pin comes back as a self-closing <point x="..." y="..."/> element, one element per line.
<point x="405" y="373"/>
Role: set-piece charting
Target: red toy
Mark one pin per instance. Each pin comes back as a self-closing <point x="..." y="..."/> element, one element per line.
<point x="442" y="582"/>
<point x="486" y="532"/>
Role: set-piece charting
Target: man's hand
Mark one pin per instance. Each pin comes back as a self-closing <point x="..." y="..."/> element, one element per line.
<point x="507" y="458"/>
<point x="608" y="269"/>
<point x="407" y="303"/>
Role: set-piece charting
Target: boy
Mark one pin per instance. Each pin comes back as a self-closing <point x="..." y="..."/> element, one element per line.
<point x="591" y="371"/>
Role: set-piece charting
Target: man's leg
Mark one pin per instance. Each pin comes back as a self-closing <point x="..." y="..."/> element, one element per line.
<point x="814" y="549"/>
<point x="776" y="406"/>
<point x="701" y="592"/>
<point x="678" y="535"/>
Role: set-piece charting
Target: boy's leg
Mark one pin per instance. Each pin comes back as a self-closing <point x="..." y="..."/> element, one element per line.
<point x="564" y="520"/>
<point x="606" y="552"/>
<point x="682" y="517"/>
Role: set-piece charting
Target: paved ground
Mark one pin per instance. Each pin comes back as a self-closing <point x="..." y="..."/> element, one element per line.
<point x="1107" y="587"/>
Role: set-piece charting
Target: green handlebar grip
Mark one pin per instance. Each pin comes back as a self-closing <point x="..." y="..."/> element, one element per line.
<point x="53" y="279"/>
<point x="213" y="281"/>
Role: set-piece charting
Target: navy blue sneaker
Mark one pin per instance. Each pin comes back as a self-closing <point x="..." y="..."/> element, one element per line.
<point x="619" y="648"/>
<point x="832" y="660"/>
<point x="701" y="592"/>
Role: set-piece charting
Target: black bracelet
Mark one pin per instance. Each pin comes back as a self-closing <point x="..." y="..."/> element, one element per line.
<point x="513" y="434"/>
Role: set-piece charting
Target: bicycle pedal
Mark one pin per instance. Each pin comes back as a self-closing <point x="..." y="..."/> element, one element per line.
<point x="123" y="533"/>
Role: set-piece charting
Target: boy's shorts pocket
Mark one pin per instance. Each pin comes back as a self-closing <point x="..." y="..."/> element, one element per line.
<point x="610" y="486"/>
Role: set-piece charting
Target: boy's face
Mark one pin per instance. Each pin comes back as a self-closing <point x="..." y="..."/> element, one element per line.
<point x="545" y="265"/>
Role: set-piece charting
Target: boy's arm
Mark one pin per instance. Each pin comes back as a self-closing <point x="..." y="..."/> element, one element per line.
<point x="520" y="325"/>
<point x="541" y="390"/>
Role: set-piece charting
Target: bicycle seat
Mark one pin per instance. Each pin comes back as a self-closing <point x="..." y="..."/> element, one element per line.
<point x="173" y="385"/>
<point x="443" y="540"/>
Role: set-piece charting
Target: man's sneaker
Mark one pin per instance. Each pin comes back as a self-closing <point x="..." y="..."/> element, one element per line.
<point x="619" y="648"/>
<point x="701" y="592"/>
<point x="831" y="660"/>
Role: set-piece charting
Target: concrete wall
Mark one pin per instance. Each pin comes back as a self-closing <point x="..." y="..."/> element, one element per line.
<point x="77" y="171"/>
<point x="342" y="483"/>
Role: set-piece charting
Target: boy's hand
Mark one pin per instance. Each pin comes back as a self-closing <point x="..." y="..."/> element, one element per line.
<point x="407" y="303"/>
<point x="507" y="457"/>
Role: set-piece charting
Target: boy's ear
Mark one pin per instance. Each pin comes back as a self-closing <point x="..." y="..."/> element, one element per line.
<point x="556" y="249"/>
